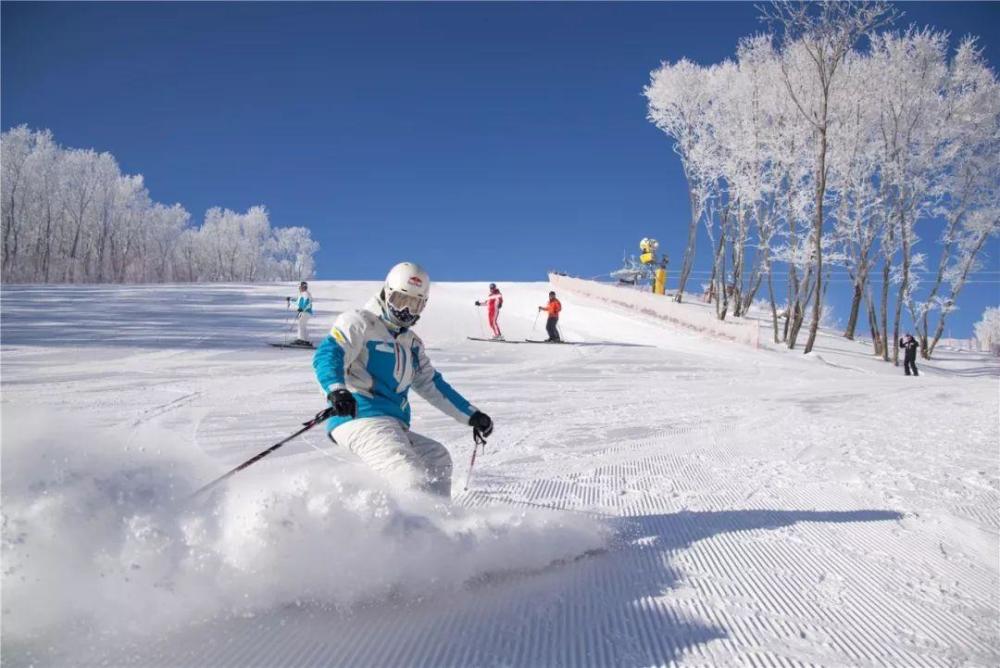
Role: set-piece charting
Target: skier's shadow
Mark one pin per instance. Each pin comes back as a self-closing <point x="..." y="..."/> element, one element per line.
<point x="649" y="544"/>
<point x="215" y="316"/>
<point x="620" y="602"/>
<point x="600" y="344"/>
<point x="613" y="609"/>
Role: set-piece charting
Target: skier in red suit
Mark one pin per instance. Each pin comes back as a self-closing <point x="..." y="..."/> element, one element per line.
<point x="493" y="303"/>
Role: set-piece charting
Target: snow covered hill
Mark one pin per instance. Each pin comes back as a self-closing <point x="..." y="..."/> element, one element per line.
<point x="757" y="507"/>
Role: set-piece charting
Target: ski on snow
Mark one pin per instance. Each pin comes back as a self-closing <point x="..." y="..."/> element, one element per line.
<point x="293" y="345"/>
<point x="503" y="575"/>
<point x="565" y="343"/>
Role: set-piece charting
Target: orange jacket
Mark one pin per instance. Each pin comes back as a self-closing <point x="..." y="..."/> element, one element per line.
<point x="553" y="308"/>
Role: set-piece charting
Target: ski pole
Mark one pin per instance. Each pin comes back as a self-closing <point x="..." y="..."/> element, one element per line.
<point x="288" y="321"/>
<point x="535" y="323"/>
<point x="477" y="441"/>
<point x="320" y="417"/>
<point x="482" y="331"/>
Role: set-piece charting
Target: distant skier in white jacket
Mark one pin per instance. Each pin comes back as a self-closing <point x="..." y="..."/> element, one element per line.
<point x="366" y="367"/>
<point x="304" y="304"/>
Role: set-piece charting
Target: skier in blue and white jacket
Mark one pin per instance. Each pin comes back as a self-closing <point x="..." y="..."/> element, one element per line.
<point x="366" y="367"/>
<point x="304" y="305"/>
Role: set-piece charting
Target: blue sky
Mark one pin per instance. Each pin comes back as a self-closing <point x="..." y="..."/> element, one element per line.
<point x="487" y="141"/>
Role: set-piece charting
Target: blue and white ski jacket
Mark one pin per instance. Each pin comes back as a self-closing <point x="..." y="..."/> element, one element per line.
<point x="379" y="366"/>
<point x="305" y="302"/>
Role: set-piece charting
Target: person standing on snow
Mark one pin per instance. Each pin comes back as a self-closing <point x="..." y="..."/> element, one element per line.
<point x="909" y="346"/>
<point x="493" y="303"/>
<point x="553" y="308"/>
<point x="366" y="367"/>
<point x="305" y="311"/>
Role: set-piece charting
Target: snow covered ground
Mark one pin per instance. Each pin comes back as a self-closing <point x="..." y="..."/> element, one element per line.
<point x="758" y="507"/>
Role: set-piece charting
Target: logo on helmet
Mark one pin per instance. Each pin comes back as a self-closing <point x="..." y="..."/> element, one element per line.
<point x="415" y="280"/>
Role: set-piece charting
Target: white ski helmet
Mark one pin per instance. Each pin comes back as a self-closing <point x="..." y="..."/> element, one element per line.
<point x="405" y="293"/>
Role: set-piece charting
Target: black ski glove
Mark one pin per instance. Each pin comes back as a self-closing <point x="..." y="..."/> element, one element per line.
<point x="481" y="424"/>
<point x="343" y="403"/>
<point x="478" y="304"/>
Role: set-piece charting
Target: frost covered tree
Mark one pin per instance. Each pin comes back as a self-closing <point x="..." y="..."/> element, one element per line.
<point x="817" y="37"/>
<point x="988" y="330"/>
<point x="291" y="253"/>
<point x="70" y="215"/>
<point x="968" y="200"/>
<point x="854" y="167"/>
<point x="679" y="99"/>
<point x="832" y="150"/>
<point x="918" y="146"/>
<point x="232" y="244"/>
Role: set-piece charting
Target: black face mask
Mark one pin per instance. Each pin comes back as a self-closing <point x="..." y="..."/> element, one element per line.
<point x="404" y="317"/>
<point x="401" y="317"/>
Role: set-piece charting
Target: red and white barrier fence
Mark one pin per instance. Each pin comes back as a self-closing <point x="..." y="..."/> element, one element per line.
<point x="662" y="307"/>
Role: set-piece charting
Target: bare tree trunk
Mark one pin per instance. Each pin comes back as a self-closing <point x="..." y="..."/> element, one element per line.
<point x="873" y="323"/>
<point x="719" y="276"/>
<point x="688" y="262"/>
<point x="860" y="278"/>
<point x="774" y="307"/>
<point x="739" y="248"/>
<point x="852" y="319"/>
<point x="12" y="246"/>
<point x="102" y="241"/>
<point x="957" y="288"/>
<point x="885" y="309"/>
<point x="736" y="297"/>
<point x="792" y="291"/>
<point x="47" y="249"/>
<point x="923" y="325"/>
<point x="753" y="288"/>
<point x="793" y="278"/>
<point x="904" y="284"/>
<point x="711" y="283"/>
<point x="798" y="313"/>
<point x="71" y="260"/>
<point x="8" y="260"/>
<point x="761" y="261"/>
<point x="818" y="227"/>
<point x="120" y="257"/>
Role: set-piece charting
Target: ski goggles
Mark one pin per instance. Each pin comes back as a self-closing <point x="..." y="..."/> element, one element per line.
<point x="400" y="301"/>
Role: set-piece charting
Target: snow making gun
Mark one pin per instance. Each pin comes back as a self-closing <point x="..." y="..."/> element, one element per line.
<point x="649" y="248"/>
<point x="649" y="266"/>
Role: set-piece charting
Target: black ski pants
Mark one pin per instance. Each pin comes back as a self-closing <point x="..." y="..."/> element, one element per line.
<point x="550" y="327"/>
<point x="910" y="363"/>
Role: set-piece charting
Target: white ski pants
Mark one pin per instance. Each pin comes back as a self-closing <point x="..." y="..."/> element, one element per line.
<point x="407" y="460"/>
<point x="303" y="321"/>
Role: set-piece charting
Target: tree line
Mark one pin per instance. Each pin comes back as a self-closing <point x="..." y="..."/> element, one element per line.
<point x="71" y="216"/>
<point x="832" y="144"/>
<point x="988" y="330"/>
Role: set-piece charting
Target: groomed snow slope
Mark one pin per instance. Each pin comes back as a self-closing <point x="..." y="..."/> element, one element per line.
<point x="759" y="507"/>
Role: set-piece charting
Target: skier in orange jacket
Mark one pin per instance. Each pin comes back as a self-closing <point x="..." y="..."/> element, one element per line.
<point x="553" y="308"/>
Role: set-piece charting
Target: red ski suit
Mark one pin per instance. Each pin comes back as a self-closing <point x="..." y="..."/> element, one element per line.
<point x="493" y="304"/>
